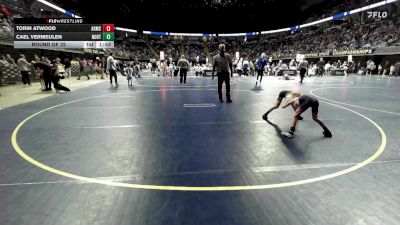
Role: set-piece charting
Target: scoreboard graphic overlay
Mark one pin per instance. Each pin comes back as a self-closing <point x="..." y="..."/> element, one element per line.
<point x="62" y="33"/>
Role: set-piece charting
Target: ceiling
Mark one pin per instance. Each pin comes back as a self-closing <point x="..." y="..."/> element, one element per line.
<point x="204" y="16"/>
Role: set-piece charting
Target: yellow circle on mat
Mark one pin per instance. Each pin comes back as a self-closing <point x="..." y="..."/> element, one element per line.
<point x="18" y="149"/>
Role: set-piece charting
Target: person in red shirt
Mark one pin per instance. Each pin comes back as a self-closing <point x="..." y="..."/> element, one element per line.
<point x="4" y="11"/>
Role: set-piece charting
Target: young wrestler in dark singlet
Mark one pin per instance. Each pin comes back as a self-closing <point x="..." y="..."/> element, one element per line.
<point x="302" y="104"/>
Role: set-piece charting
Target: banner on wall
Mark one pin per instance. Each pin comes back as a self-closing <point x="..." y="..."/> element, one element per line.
<point x="354" y="52"/>
<point x="299" y="57"/>
<point x="350" y="58"/>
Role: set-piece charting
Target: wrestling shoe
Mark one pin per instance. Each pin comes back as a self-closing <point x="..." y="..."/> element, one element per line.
<point x="288" y="134"/>
<point x="327" y="133"/>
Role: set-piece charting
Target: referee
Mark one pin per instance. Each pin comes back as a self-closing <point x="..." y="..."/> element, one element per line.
<point x="183" y="65"/>
<point x="222" y="63"/>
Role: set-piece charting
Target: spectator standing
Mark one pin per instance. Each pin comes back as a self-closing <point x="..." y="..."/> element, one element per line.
<point x="252" y="70"/>
<point x="104" y="66"/>
<point x="397" y="69"/>
<point x="370" y="67"/>
<point x="153" y="66"/>
<point x="111" y="68"/>
<point x="60" y="68"/>
<point x="328" y="68"/>
<point x="386" y="68"/>
<point x="171" y="69"/>
<point x="380" y="69"/>
<point x="36" y="59"/>
<point x="23" y="67"/>
<point x="292" y="64"/>
<point x="10" y="60"/>
<point x="176" y="70"/>
<point x="129" y="74"/>
<point x="3" y="61"/>
<point x="67" y="65"/>
<point x="320" y="67"/>
<point x="82" y="69"/>
<point x="136" y="70"/>
<point x="391" y="72"/>
<point x="97" y="65"/>
<point x="46" y="60"/>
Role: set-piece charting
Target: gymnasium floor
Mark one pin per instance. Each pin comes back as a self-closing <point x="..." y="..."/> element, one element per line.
<point x="162" y="153"/>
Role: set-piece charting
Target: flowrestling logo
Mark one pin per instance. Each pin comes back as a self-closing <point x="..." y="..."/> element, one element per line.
<point x="377" y="15"/>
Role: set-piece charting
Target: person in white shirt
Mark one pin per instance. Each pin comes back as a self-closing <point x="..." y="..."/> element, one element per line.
<point x="197" y="70"/>
<point x="60" y="67"/>
<point x="136" y="70"/>
<point x="345" y="68"/>
<point x="171" y="69"/>
<point x="112" y="68"/>
<point x="370" y="67"/>
<point x="22" y="66"/>
<point x="10" y="60"/>
<point x="327" y="68"/>
<point x="239" y="67"/>
<point x="380" y="69"/>
<point x="391" y="72"/>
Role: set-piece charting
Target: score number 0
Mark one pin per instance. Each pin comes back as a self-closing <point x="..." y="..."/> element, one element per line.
<point x="108" y="27"/>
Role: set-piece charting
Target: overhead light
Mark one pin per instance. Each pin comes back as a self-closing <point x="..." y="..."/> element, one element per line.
<point x="226" y="2"/>
<point x="125" y="29"/>
<point x="52" y="6"/>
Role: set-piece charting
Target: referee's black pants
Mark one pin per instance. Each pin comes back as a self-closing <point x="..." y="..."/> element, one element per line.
<point x="224" y="77"/>
<point x="303" y="72"/>
<point x="183" y="75"/>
